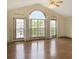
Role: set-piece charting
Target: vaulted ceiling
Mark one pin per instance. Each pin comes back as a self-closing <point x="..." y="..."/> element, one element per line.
<point x="65" y="9"/>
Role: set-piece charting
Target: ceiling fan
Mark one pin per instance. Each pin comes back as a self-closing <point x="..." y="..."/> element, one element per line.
<point x="55" y="3"/>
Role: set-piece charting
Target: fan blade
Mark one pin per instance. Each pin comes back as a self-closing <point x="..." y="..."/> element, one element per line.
<point x="57" y="5"/>
<point x="52" y="2"/>
<point x="60" y="2"/>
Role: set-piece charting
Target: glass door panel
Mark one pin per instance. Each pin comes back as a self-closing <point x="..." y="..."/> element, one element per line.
<point x="38" y="28"/>
<point x="52" y="28"/>
<point x="19" y="28"/>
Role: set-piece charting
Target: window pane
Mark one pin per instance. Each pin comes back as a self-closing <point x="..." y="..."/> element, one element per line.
<point x="37" y="15"/>
<point x="52" y="28"/>
<point x="38" y="28"/>
<point x="19" y="28"/>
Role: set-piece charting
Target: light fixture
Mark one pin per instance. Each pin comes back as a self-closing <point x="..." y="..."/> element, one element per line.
<point x="54" y="3"/>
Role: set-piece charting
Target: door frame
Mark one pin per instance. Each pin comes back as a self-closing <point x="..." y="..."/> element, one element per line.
<point x="14" y="29"/>
<point x="55" y="28"/>
<point x="30" y="22"/>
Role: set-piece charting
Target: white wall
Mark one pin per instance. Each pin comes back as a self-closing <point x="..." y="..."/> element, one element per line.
<point x="68" y="27"/>
<point x="60" y="27"/>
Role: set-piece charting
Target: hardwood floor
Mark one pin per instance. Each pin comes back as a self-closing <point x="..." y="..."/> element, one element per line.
<point x="41" y="49"/>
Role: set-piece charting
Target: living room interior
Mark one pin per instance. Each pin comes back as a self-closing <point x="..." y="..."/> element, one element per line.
<point x="39" y="29"/>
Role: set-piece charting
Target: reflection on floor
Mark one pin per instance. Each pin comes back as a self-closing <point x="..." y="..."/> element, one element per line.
<point x="41" y="49"/>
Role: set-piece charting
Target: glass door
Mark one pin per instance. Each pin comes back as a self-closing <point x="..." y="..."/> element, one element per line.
<point x="52" y="28"/>
<point x="19" y="28"/>
<point x="38" y="28"/>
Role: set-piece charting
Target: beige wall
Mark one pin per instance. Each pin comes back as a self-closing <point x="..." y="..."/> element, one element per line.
<point x="68" y="27"/>
<point x="24" y="13"/>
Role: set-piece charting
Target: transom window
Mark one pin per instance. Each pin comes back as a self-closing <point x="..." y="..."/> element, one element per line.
<point x="37" y="15"/>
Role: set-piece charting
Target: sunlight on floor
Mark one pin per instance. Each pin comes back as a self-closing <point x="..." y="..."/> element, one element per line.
<point x="53" y="49"/>
<point x="20" y="51"/>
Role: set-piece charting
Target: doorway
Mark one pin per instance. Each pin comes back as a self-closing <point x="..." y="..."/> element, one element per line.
<point x="53" y="28"/>
<point x="19" y="28"/>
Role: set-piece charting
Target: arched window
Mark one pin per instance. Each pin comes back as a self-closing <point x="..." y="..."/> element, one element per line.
<point x="37" y="15"/>
<point x="37" y="23"/>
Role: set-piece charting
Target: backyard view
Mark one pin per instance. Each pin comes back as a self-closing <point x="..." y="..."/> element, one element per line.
<point x="38" y="28"/>
<point x="19" y="28"/>
<point x="52" y="28"/>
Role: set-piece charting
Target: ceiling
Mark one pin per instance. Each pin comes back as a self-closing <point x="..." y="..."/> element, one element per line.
<point x="65" y="9"/>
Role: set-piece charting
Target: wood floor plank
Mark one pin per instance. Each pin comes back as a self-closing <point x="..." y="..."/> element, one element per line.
<point x="41" y="49"/>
